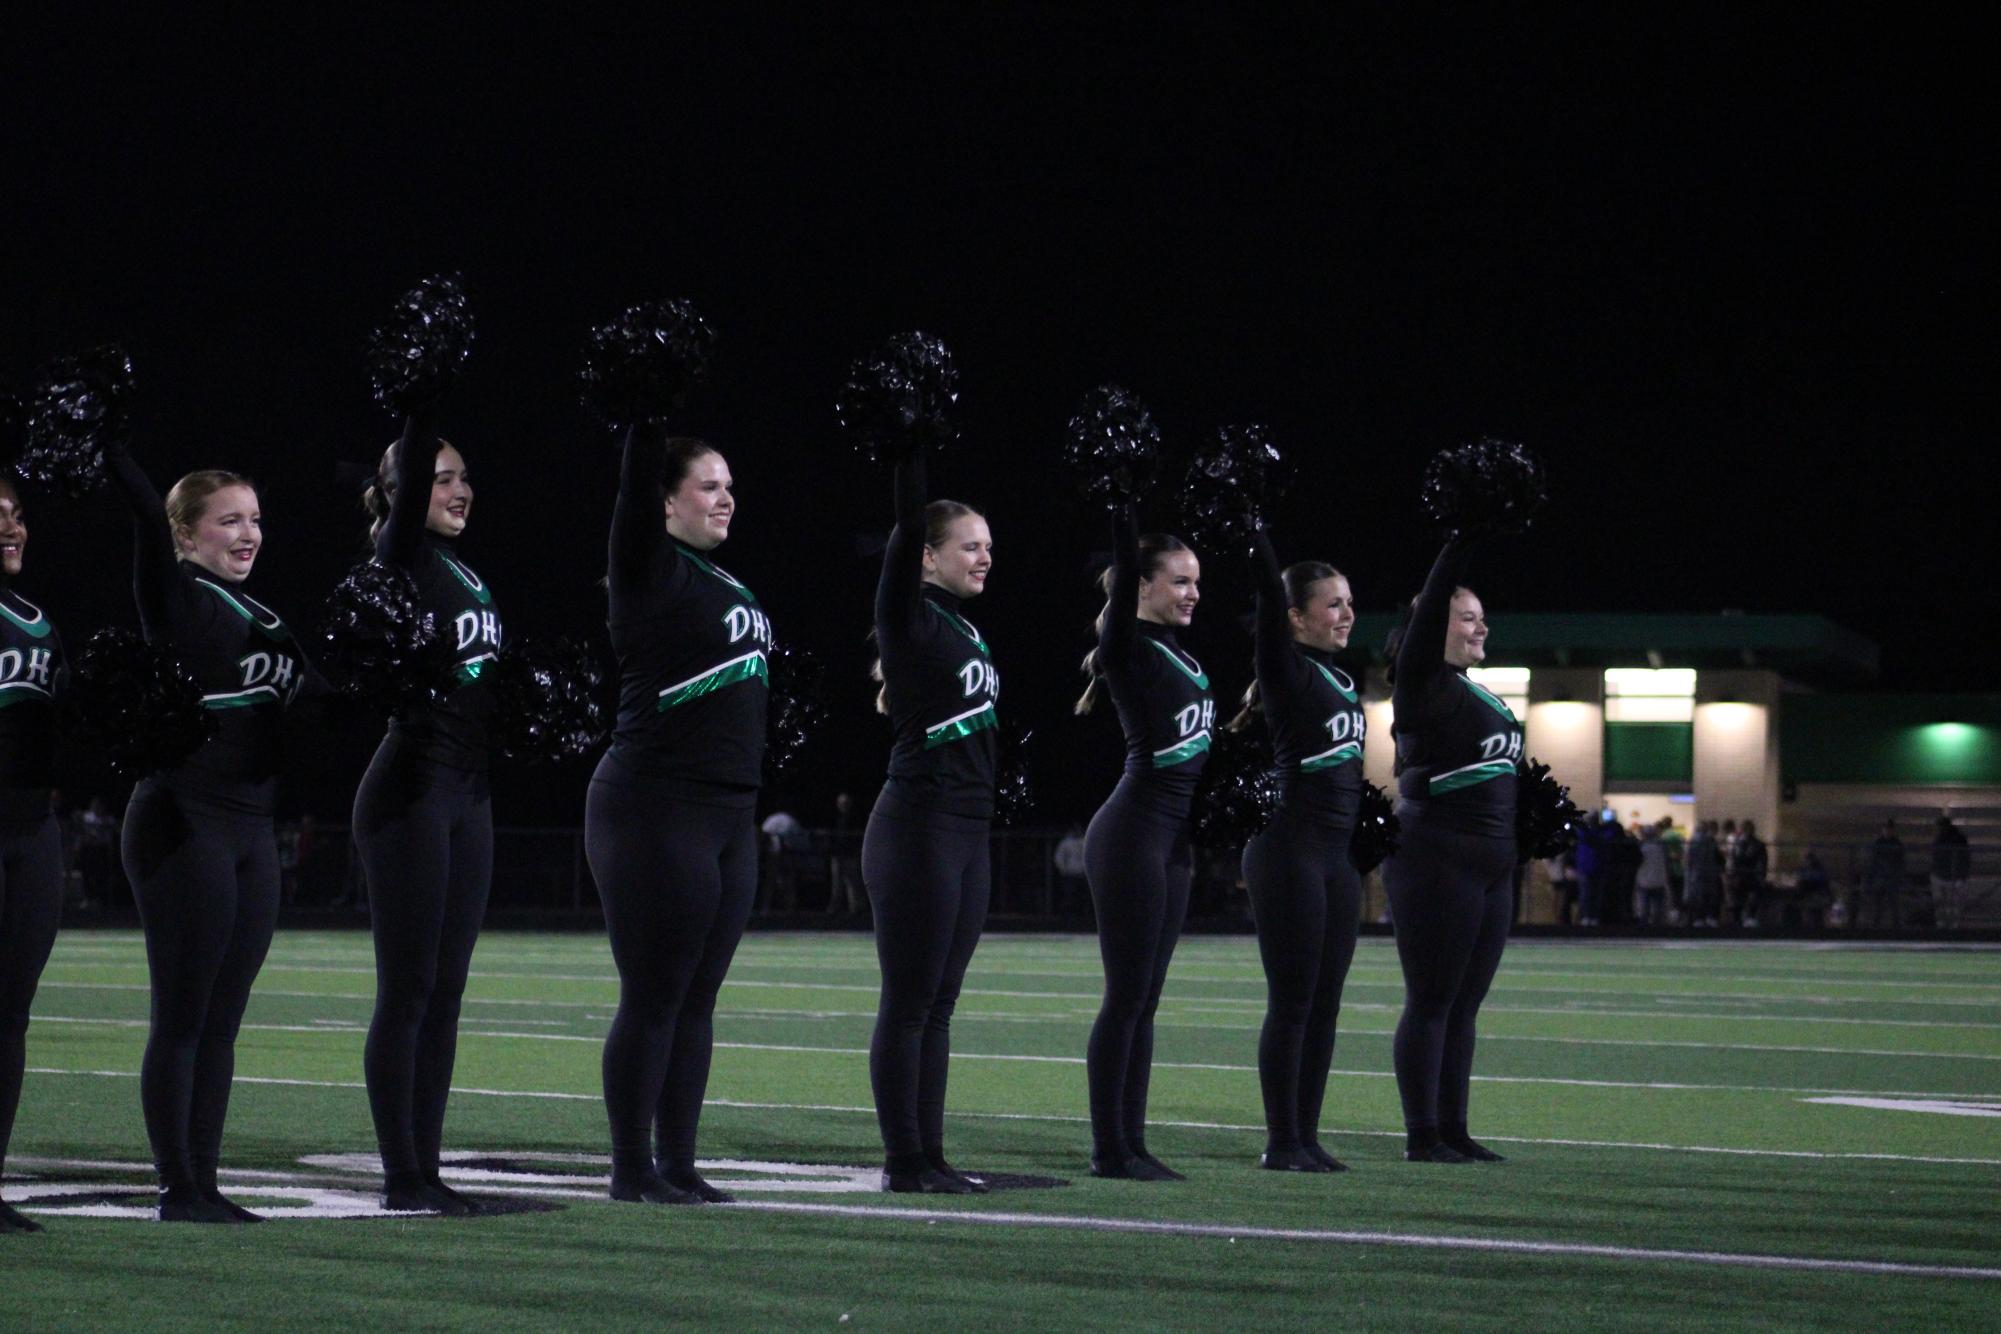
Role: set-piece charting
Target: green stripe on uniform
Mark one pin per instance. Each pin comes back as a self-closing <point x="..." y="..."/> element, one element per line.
<point x="1181" y="754"/>
<point x="961" y="727"/>
<point x="1471" y="774"/>
<point x="749" y="666"/>
<point x="1338" y="755"/>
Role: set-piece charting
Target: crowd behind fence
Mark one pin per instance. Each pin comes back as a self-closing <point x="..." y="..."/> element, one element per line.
<point x="810" y="877"/>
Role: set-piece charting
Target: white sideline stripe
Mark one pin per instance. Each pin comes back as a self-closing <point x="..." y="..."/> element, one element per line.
<point x="1419" y="1240"/>
<point x="1055" y="1118"/>
<point x="1652" y="1086"/>
<point x="1001" y="1016"/>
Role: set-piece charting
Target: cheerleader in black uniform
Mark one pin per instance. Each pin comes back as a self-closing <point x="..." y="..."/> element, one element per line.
<point x="925" y="856"/>
<point x="1137" y="855"/>
<point x="1305" y="892"/>
<point x="31" y="847"/>
<point x="199" y="847"/>
<point x="423" y="822"/>
<point x="1451" y="882"/>
<point x="669" y="823"/>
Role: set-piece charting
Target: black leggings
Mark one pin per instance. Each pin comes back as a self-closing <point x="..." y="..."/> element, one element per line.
<point x="1139" y="870"/>
<point x="31" y="906"/>
<point x="677" y="879"/>
<point x="1452" y="899"/>
<point x="206" y="882"/>
<point x="1307" y="898"/>
<point x="928" y="878"/>
<point x="425" y="833"/>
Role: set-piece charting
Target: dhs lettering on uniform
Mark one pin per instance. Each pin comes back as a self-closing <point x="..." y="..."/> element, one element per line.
<point x="29" y="669"/>
<point x="477" y="627"/>
<point x="980" y="677"/>
<point x="1501" y="745"/>
<point x="279" y="671"/>
<point x="1347" y="725"/>
<point x="742" y="621"/>
<point x="1196" y="718"/>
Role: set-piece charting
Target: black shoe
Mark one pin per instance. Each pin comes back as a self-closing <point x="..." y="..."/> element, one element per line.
<point x="649" y="1188"/>
<point x="1328" y="1162"/>
<point x="237" y="1212"/>
<point x="925" y="1182"/>
<point x="1114" y="1169"/>
<point x="1291" y="1160"/>
<point x="184" y="1204"/>
<point x="11" y="1220"/>
<point x="1473" y="1150"/>
<point x="943" y="1168"/>
<point x="449" y="1202"/>
<point x="1150" y="1168"/>
<point x="404" y="1195"/>
<point x="692" y="1182"/>
<point x="1436" y="1153"/>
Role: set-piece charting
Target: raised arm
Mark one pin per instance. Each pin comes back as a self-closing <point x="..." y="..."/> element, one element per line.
<point x="1118" y="638"/>
<point x="154" y="576"/>
<point x="899" y="593"/>
<point x="1276" y="660"/>
<point x="416" y="464"/>
<point x="638" y="527"/>
<point x="1421" y="669"/>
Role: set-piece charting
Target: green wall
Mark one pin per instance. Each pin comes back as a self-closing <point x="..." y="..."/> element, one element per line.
<point x="1891" y="739"/>
<point x="1650" y="753"/>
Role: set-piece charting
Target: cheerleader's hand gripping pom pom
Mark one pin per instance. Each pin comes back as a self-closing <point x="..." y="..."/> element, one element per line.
<point x="1546" y="819"/>
<point x="1113" y="448"/>
<point x="1014" y="787"/>
<point x="79" y="408"/>
<point x="1377" y="830"/>
<point x="379" y="642"/>
<point x="640" y="368"/>
<point x="548" y="704"/>
<point x="797" y="707"/>
<point x="134" y="706"/>
<point x="1484" y="487"/>
<point x="1231" y="486"/>
<point x="1238" y="794"/>
<point x="900" y="398"/>
<point x="416" y="354"/>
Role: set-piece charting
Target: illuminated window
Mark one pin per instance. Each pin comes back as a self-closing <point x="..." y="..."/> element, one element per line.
<point x="1649" y="695"/>
<point x="1510" y="683"/>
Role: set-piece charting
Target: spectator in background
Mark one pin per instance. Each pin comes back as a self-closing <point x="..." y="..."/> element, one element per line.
<point x="1563" y="884"/>
<point x="1703" y="886"/>
<point x="1068" y="858"/>
<point x="1883" y="879"/>
<point x="96" y="853"/>
<point x="1748" y="864"/>
<point x="1623" y="875"/>
<point x="1593" y="863"/>
<point x="844" y="890"/>
<point x="783" y="836"/>
<point x="1814" y="890"/>
<point x="1675" y="847"/>
<point x="1652" y="878"/>
<point x="1951" y="861"/>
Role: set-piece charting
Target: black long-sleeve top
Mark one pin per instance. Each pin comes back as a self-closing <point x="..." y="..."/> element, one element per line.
<point x="691" y="643"/>
<point x="1162" y="694"/>
<point x="249" y="665"/>
<point x="1312" y="707"/>
<point x="943" y="688"/>
<point x="1457" y="744"/>
<point x="31" y="672"/>
<point x="454" y="730"/>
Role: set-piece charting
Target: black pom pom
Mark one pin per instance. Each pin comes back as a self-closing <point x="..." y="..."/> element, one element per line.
<point x="1238" y="793"/>
<point x="547" y="701"/>
<point x="1014" y="785"/>
<point x="419" y="350"/>
<point x="13" y="424"/>
<point x="640" y="368"/>
<point x="1113" y="448"/>
<point x="796" y="708"/>
<point x="80" y="407"/>
<point x="379" y="642"/>
<point x="132" y="705"/>
<point x="1230" y="487"/>
<point x="1484" y="487"/>
<point x="1377" y="830"/>
<point x="1546" y="819"/>
<point x="902" y="397"/>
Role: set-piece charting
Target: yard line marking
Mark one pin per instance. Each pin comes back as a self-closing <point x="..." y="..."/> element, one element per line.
<point x="1061" y="1119"/>
<point x="1502" y="1245"/>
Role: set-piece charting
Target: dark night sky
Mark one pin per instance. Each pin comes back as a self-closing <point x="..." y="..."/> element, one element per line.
<point x="1731" y="271"/>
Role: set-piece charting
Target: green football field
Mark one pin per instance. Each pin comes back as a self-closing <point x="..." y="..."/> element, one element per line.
<point x="1700" y="1137"/>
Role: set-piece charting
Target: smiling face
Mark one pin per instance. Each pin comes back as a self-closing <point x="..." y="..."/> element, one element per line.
<point x="1168" y="595"/>
<point x="1466" y="630"/>
<point x="700" y="507"/>
<point x="13" y="530"/>
<point x="451" y="494"/>
<point x="225" y="537"/>
<point x="959" y="564"/>
<point x="1328" y="617"/>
